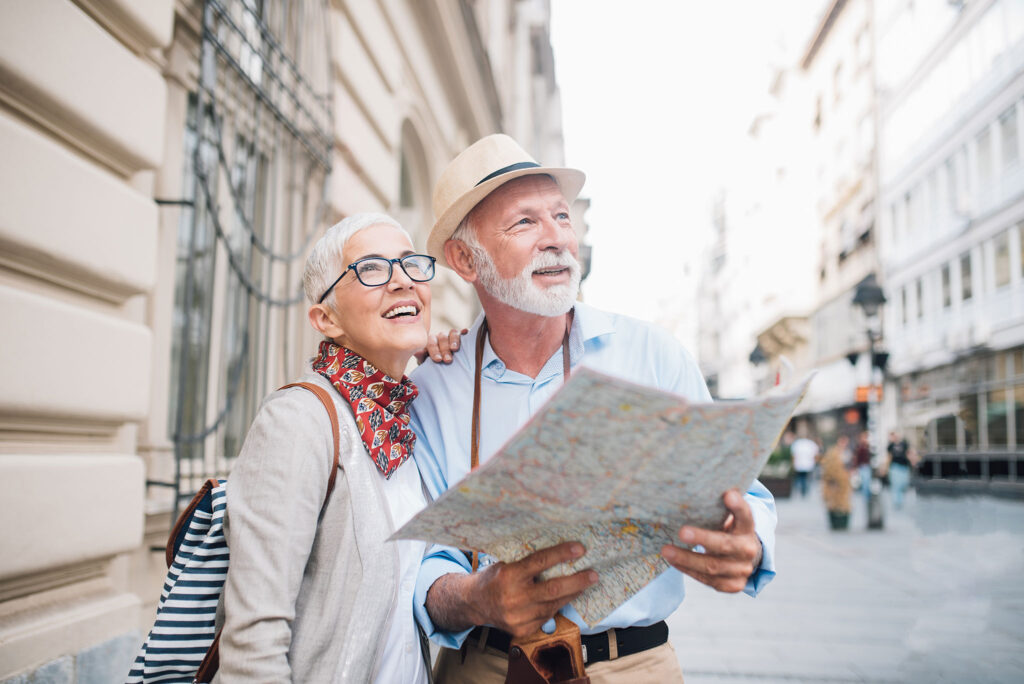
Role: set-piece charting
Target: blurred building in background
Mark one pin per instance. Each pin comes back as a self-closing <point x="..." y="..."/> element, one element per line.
<point x="763" y="232"/>
<point x="167" y="165"/>
<point x="952" y="218"/>
<point x="907" y="117"/>
<point x="838" y="66"/>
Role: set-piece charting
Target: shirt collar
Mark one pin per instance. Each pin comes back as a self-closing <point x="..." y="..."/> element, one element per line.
<point x="588" y="324"/>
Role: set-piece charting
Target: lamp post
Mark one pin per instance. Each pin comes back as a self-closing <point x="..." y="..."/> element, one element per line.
<point x="870" y="298"/>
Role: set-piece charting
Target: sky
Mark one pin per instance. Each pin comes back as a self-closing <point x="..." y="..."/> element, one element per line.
<point x="656" y="98"/>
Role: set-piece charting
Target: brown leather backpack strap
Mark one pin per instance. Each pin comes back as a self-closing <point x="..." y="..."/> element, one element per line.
<point x="211" y="663"/>
<point x="328" y="402"/>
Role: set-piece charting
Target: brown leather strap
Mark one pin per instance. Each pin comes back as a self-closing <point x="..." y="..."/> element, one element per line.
<point x="474" y="454"/>
<point x="474" y="445"/>
<point x="211" y="663"/>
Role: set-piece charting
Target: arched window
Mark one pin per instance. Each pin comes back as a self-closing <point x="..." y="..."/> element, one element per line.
<point x="414" y="186"/>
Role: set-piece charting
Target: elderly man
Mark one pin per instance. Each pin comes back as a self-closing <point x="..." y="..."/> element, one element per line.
<point x="503" y="225"/>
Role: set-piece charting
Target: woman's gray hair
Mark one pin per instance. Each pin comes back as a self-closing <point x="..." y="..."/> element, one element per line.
<point x="324" y="265"/>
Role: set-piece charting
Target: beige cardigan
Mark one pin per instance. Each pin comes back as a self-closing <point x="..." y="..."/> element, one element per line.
<point x="305" y="602"/>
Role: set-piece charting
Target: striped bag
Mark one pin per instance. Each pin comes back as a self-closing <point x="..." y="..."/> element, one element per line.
<point x="182" y="645"/>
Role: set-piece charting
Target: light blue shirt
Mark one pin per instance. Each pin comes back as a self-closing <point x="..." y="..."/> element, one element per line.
<point x="613" y="344"/>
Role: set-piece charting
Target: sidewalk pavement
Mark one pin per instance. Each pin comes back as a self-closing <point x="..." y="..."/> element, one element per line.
<point x="936" y="596"/>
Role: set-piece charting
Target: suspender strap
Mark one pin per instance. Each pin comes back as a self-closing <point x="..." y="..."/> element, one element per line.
<point x="474" y="446"/>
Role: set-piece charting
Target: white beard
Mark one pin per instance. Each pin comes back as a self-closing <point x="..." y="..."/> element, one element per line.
<point x="520" y="292"/>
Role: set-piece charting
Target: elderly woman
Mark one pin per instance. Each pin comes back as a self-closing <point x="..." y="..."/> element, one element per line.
<point x="322" y="597"/>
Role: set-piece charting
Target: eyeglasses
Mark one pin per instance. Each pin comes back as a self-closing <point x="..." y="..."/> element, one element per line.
<point x="377" y="271"/>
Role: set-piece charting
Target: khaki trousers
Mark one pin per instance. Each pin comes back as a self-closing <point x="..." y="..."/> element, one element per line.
<point x="658" y="665"/>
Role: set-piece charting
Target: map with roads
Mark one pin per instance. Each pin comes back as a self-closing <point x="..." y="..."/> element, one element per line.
<point x="616" y="466"/>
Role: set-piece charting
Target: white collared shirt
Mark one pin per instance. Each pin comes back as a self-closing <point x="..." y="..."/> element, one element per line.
<point x="401" y="660"/>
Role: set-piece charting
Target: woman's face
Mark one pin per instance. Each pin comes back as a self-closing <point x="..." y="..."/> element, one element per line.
<point x="366" y="315"/>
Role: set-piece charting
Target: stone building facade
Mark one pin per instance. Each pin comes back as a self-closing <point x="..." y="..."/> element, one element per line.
<point x="166" y="165"/>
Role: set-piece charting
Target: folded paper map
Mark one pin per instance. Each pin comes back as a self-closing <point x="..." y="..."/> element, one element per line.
<point x="615" y="466"/>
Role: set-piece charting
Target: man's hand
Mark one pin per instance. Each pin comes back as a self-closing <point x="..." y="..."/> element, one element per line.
<point x="509" y="596"/>
<point x="441" y="346"/>
<point x="730" y="556"/>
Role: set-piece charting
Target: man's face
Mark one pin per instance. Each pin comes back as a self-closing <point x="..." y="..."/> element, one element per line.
<point x="530" y="261"/>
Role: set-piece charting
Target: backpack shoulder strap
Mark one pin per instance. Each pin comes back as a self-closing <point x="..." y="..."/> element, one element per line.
<point x="328" y="403"/>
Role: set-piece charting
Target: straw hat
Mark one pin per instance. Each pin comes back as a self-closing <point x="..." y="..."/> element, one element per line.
<point x="471" y="176"/>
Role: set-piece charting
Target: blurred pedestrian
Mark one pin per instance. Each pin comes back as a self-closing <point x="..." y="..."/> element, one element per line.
<point x="805" y="456"/>
<point x="901" y="459"/>
<point x="862" y="462"/>
<point x="835" y="481"/>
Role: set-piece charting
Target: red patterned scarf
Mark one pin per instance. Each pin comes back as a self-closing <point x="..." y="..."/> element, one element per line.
<point x="379" y="403"/>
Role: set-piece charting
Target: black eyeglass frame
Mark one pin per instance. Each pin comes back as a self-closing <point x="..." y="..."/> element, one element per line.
<point x="391" y="272"/>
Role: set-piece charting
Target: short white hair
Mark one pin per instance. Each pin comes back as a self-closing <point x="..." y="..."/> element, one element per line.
<point x="324" y="265"/>
<point x="467" y="234"/>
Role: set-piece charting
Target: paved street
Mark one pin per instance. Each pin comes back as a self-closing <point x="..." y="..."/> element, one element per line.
<point x="938" y="595"/>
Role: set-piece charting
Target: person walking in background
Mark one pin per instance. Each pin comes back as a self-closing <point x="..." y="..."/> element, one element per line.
<point x="862" y="462"/>
<point x="901" y="458"/>
<point x="835" y="482"/>
<point x="805" y="456"/>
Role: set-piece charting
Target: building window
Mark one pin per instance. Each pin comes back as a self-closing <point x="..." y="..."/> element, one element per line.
<point x="952" y="197"/>
<point x="1020" y="244"/>
<point x="947" y="289"/>
<point x="966" y="286"/>
<point x="945" y="432"/>
<point x="258" y="149"/>
<point x="903" y="305"/>
<point x="920" y="298"/>
<point x="969" y="419"/>
<point x="983" y="149"/>
<point x="933" y="197"/>
<point x="1018" y="413"/>
<point x="1008" y="137"/>
<point x="193" y="295"/>
<point x="996" y="418"/>
<point x="1002" y="259"/>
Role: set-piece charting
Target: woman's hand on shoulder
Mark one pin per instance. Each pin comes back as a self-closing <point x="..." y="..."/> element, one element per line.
<point x="441" y="346"/>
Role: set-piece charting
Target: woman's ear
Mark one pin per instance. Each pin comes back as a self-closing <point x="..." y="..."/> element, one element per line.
<point x="324" y="321"/>
<point x="460" y="258"/>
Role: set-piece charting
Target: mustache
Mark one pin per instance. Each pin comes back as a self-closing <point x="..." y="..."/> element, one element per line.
<point x="552" y="259"/>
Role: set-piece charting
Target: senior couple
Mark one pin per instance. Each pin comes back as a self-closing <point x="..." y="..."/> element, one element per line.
<point x="317" y="596"/>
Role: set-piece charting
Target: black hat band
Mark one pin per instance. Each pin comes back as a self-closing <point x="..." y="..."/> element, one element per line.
<point x="509" y="169"/>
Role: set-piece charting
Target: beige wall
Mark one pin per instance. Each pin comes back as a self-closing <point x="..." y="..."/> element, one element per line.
<point x="93" y="100"/>
<point x="79" y="232"/>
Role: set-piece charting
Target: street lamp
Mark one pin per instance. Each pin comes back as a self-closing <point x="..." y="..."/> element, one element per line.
<point x="870" y="298"/>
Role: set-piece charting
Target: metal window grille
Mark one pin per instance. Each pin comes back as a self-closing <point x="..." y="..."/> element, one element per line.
<point x="258" y="144"/>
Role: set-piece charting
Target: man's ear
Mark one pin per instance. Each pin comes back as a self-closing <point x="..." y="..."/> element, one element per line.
<point x="324" y="321"/>
<point x="460" y="258"/>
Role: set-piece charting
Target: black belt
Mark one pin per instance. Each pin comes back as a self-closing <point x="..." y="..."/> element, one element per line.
<point x="630" y="640"/>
